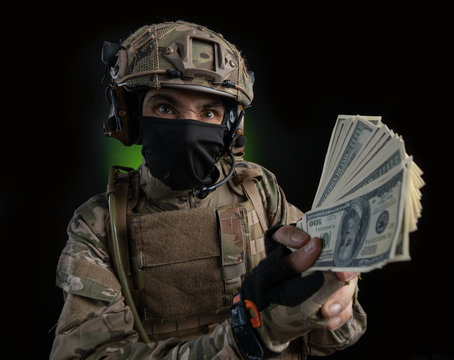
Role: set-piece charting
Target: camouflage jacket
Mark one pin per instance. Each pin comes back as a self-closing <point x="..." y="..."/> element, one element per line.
<point x="95" y="322"/>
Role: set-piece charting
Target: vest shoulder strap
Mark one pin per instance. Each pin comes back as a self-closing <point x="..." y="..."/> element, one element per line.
<point x="251" y="191"/>
<point x="246" y="178"/>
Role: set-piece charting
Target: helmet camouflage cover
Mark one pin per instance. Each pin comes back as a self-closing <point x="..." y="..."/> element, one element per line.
<point x="183" y="55"/>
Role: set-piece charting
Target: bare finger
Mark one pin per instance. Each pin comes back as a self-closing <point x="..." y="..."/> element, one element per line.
<point x="303" y="258"/>
<point x="291" y="236"/>
<point x="340" y="319"/>
<point x="341" y="299"/>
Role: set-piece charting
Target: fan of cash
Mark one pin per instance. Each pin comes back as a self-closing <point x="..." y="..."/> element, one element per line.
<point x="368" y="198"/>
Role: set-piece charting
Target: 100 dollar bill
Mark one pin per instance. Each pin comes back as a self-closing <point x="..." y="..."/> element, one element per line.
<point x="361" y="131"/>
<point x="360" y="233"/>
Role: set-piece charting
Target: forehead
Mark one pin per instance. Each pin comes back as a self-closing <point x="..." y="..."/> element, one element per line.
<point x="182" y="96"/>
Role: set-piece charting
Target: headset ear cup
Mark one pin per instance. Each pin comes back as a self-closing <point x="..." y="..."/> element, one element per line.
<point x="117" y="125"/>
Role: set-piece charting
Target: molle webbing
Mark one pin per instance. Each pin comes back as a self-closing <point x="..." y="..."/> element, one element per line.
<point x="233" y="240"/>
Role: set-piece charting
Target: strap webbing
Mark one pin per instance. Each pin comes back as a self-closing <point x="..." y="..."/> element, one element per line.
<point x="122" y="230"/>
<point x="250" y="188"/>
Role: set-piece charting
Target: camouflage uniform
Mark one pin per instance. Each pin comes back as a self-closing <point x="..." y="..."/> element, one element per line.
<point x="95" y="323"/>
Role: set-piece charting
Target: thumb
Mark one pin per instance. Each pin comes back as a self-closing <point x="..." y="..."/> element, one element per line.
<point x="302" y="259"/>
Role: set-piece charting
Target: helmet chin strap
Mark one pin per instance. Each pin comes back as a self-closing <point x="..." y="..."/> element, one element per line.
<point x="203" y="191"/>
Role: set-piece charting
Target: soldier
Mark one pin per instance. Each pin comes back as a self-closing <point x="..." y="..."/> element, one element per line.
<point x="188" y="257"/>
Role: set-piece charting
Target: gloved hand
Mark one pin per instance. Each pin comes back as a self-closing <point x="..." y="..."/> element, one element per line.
<point x="282" y="304"/>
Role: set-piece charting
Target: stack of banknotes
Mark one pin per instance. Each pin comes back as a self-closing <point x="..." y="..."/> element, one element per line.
<point x="368" y="198"/>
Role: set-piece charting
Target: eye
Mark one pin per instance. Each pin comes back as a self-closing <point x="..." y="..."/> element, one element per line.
<point x="209" y="114"/>
<point x="165" y="109"/>
<point x="212" y="115"/>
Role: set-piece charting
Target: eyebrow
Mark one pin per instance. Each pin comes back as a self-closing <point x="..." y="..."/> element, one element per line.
<point x="214" y="104"/>
<point x="163" y="97"/>
<point x="174" y="101"/>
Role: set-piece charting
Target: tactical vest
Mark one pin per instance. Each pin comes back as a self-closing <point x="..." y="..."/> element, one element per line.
<point x="183" y="266"/>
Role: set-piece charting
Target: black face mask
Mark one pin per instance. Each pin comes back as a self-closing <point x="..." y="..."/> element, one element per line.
<point x="181" y="153"/>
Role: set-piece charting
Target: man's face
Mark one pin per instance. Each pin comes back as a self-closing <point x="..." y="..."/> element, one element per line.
<point x="183" y="104"/>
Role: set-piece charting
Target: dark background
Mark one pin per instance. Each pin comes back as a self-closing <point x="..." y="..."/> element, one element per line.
<point x="310" y="66"/>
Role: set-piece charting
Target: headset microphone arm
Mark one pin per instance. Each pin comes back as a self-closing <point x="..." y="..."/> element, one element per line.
<point x="203" y="191"/>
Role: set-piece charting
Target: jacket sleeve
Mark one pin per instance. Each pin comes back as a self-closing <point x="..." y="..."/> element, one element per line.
<point x="95" y="322"/>
<point x="323" y="342"/>
<point x="278" y="209"/>
<point x="320" y="341"/>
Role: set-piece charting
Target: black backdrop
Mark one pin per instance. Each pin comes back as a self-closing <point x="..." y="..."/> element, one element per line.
<point x="310" y="66"/>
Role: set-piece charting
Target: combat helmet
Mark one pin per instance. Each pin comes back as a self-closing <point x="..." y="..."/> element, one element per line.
<point x="179" y="55"/>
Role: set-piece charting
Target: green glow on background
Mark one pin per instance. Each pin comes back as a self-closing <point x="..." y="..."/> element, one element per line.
<point x="250" y="150"/>
<point x="118" y="154"/>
